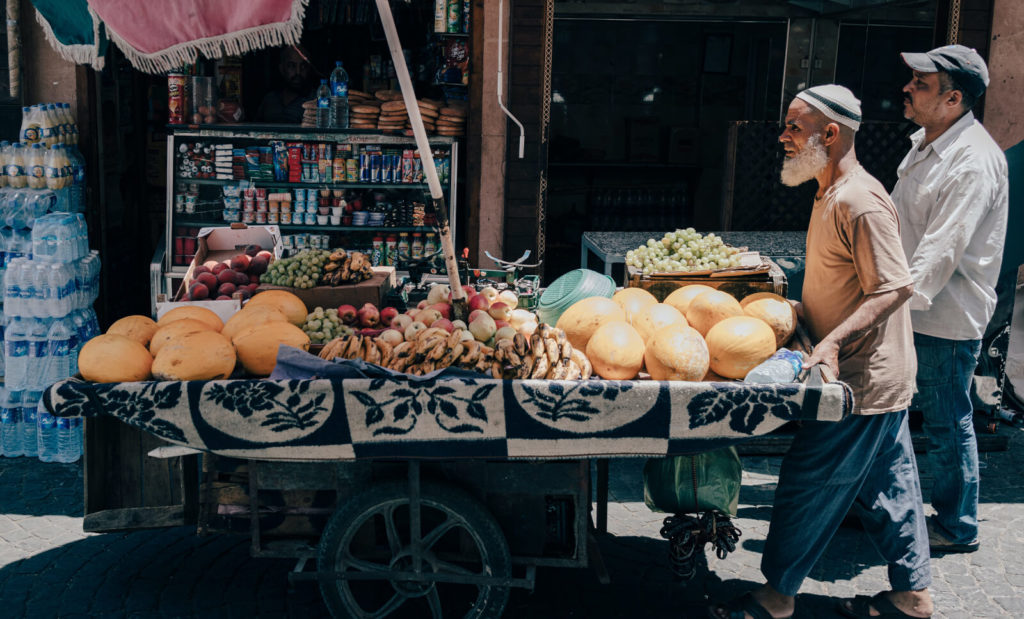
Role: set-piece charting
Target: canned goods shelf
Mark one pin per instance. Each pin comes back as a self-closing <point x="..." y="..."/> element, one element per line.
<point x="286" y="185"/>
<point x="217" y="222"/>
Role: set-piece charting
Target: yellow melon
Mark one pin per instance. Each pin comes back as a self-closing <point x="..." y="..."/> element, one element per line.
<point x="616" y="350"/>
<point x="655" y="317"/>
<point x="633" y="301"/>
<point x="139" y="328"/>
<point x="113" y="358"/>
<point x="584" y="317"/>
<point x="289" y="304"/>
<point x="205" y="355"/>
<point x="757" y="296"/>
<point x="739" y="344"/>
<point x="711" y="377"/>
<point x="251" y="315"/>
<point x="176" y="329"/>
<point x="779" y="315"/>
<point x="677" y="352"/>
<point x="257" y="346"/>
<point x="681" y="297"/>
<point x="710" y="307"/>
<point x="193" y="312"/>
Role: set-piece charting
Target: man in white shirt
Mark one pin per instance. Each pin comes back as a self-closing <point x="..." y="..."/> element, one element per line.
<point x="952" y="198"/>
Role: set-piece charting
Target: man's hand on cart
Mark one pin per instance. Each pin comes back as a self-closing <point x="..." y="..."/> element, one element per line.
<point x="827" y="354"/>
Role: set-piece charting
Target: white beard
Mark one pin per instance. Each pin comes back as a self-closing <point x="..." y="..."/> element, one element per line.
<point x="806" y="164"/>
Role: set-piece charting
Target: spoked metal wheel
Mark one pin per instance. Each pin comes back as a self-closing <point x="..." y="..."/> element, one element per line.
<point x="374" y="561"/>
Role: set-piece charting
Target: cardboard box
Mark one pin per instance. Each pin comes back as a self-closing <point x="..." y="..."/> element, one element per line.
<point x="369" y="291"/>
<point x="738" y="284"/>
<point x="222" y="243"/>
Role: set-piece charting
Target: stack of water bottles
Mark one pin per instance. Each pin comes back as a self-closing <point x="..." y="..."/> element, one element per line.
<point x="48" y="317"/>
<point x="46" y="157"/>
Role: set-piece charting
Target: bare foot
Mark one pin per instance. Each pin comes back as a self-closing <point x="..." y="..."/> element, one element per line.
<point x="912" y="603"/>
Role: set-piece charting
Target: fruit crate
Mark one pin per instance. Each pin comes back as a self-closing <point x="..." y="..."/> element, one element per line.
<point x="738" y="283"/>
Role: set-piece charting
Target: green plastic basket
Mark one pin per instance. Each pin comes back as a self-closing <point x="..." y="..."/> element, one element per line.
<point x="574" y="286"/>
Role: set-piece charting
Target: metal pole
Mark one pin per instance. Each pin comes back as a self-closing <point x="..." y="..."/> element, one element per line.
<point x="423" y="143"/>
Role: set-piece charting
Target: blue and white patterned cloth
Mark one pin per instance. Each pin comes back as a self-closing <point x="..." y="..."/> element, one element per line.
<point x="354" y="411"/>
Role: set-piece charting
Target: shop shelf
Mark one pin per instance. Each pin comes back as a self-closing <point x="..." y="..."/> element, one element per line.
<point x="192" y="223"/>
<point x="285" y="185"/>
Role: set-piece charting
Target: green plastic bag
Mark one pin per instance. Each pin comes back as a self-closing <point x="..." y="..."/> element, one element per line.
<point x="669" y="482"/>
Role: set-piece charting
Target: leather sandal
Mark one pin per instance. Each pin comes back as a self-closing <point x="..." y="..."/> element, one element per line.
<point x="740" y="608"/>
<point x="861" y="605"/>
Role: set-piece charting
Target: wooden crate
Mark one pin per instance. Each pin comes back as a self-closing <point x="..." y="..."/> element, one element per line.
<point x="739" y="286"/>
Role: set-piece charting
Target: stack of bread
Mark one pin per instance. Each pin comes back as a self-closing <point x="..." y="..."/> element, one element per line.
<point x="393" y="116"/>
<point x="451" y="120"/>
<point x="363" y="115"/>
<point x="309" y="113"/>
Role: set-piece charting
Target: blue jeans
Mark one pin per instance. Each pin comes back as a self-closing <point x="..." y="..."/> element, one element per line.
<point x="863" y="462"/>
<point x="944" y="371"/>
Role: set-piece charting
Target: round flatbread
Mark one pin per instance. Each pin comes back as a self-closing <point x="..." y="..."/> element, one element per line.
<point x="453" y="111"/>
<point x="428" y="112"/>
<point x="309" y="105"/>
<point x="391" y="106"/>
<point x="358" y="93"/>
<point x="364" y="109"/>
<point x="387" y="95"/>
<point x="432" y="103"/>
<point x="451" y="119"/>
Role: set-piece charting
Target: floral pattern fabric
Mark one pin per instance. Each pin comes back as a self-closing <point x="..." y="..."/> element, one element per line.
<point x="399" y="417"/>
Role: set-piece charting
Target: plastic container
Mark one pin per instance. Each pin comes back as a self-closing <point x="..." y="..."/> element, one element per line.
<point x="782" y="367"/>
<point x="69" y="439"/>
<point x="574" y="286"/>
<point x="10" y="424"/>
<point x="46" y="435"/>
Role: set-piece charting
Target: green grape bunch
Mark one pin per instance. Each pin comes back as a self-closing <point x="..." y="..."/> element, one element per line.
<point x="322" y="326"/>
<point x="303" y="270"/>
<point x="682" y="251"/>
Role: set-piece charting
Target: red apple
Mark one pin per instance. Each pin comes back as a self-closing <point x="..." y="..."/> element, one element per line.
<point x="347" y="313"/>
<point x="251" y="288"/>
<point x="478" y="301"/>
<point x="218" y="268"/>
<point x="265" y="254"/>
<point x="257" y="266"/>
<point x="240" y="262"/>
<point x="198" y="291"/>
<point x="208" y="279"/>
<point x="368" y="316"/>
<point x="200" y="269"/>
<point x="254" y="279"/>
<point x="443" y="323"/>
<point x="500" y="311"/>
<point x="475" y="313"/>
<point x="252" y="250"/>
<point x="428" y="316"/>
<point x="241" y="279"/>
<point x="223" y="297"/>
<point x="211" y="265"/>
<point x="501" y="323"/>
<point x="387" y="315"/>
<point x="444" y="308"/>
<point x="422" y="304"/>
<point x="227" y="289"/>
<point x="225" y="276"/>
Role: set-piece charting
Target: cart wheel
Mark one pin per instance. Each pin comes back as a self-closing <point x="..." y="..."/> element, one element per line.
<point x="369" y="536"/>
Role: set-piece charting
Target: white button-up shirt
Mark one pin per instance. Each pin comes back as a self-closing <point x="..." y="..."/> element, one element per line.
<point x="953" y="199"/>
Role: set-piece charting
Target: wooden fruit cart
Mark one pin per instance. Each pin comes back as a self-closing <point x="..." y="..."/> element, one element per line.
<point x="447" y="491"/>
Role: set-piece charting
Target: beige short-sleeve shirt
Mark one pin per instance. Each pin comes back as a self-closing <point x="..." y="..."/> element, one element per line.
<point x="853" y="251"/>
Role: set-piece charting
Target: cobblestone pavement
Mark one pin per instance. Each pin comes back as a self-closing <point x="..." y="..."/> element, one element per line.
<point x="50" y="568"/>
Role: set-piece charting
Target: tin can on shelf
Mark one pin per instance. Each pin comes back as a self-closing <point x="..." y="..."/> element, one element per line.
<point x="261" y="217"/>
<point x="273" y="217"/>
<point x="364" y="167"/>
<point x="176" y="98"/>
<point x="286" y="217"/>
<point x="376" y="167"/>
<point x="248" y="217"/>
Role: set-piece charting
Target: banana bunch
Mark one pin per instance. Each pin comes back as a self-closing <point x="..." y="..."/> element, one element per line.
<point x="547" y="354"/>
<point x="346" y="268"/>
<point x="429" y="350"/>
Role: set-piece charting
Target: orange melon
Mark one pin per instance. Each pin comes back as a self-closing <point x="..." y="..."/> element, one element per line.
<point x="252" y="315"/>
<point x="139" y="328"/>
<point x="616" y="350"/>
<point x="584" y="317"/>
<point x="710" y="307"/>
<point x="757" y="296"/>
<point x="738" y="344"/>
<point x="174" y="330"/>
<point x="633" y="301"/>
<point x="113" y="358"/>
<point x="289" y="304"/>
<point x="779" y="315"/>
<point x="197" y="356"/>
<point x="677" y="352"/>
<point x="655" y="317"/>
<point x="193" y="312"/>
<point x="257" y="346"/>
<point x="680" y="298"/>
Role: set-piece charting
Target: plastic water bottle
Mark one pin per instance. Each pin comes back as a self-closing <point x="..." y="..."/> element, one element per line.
<point x="46" y="432"/>
<point x="30" y="423"/>
<point x="782" y="367"/>
<point x="31" y="125"/>
<point x="10" y="424"/>
<point x="60" y="342"/>
<point x="12" y="287"/>
<point x="38" y="352"/>
<point x="69" y="439"/>
<point x="339" y="97"/>
<point x="16" y="353"/>
<point x="323" y="105"/>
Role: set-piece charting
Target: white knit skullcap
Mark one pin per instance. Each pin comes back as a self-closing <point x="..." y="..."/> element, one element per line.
<point x="835" y="102"/>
